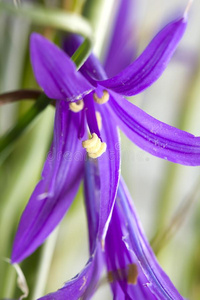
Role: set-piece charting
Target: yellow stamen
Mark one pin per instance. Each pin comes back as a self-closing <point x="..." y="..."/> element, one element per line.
<point x="103" y="99"/>
<point x="100" y="152"/>
<point x="94" y="146"/>
<point x="91" y="142"/>
<point x="129" y="273"/>
<point x="132" y="274"/>
<point x="110" y="277"/>
<point x="99" y="120"/>
<point x="76" y="106"/>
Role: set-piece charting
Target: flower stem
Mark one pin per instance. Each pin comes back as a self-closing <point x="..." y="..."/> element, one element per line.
<point x="7" y="140"/>
<point x="13" y="96"/>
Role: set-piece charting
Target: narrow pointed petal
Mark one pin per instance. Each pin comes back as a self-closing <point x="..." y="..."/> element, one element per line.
<point x="55" y="192"/>
<point x="109" y="170"/>
<point x="100" y="191"/>
<point x="55" y="71"/>
<point x="122" y="43"/>
<point x="92" y="68"/>
<point x="149" y="66"/>
<point x="158" y="282"/>
<point x="153" y="136"/>
<point x="83" y="285"/>
<point x="124" y="273"/>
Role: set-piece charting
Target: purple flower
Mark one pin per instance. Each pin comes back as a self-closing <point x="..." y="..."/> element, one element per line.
<point x="88" y="88"/>
<point x="132" y="269"/>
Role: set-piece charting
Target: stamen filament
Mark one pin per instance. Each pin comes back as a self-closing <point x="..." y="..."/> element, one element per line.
<point x="103" y="99"/>
<point x="76" y="106"/>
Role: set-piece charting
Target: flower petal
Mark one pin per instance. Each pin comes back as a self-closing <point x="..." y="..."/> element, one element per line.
<point x="83" y="285"/>
<point x="148" y="67"/>
<point x="153" y="136"/>
<point x="109" y="170"/>
<point x="92" y="68"/>
<point x="124" y="273"/>
<point x="55" y="192"/>
<point x="92" y="192"/>
<point x="158" y="282"/>
<point x="122" y="44"/>
<point x="55" y="71"/>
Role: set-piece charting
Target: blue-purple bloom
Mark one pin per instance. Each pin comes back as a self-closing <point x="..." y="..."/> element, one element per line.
<point x="132" y="269"/>
<point x="65" y="165"/>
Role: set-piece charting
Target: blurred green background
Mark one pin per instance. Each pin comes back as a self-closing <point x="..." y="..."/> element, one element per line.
<point x="167" y="196"/>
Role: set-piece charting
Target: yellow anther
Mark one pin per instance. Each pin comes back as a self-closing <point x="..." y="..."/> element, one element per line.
<point x="132" y="274"/>
<point x="110" y="277"/>
<point x="129" y="274"/>
<point x="94" y="146"/>
<point x="100" y="152"/>
<point x="76" y="106"/>
<point x="91" y="142"/>
<point x="103" y="99"/>
<point x="99" y="120"/>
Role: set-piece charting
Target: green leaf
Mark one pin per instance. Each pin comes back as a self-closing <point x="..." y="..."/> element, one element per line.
<point x="70" y="22"/>
<point x="42" y="102"/>
<point x="51" y="17"/>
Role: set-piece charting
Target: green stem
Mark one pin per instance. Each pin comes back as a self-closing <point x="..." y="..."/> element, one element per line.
<point x="6" y="141"/>
<point x="13" y="96"/>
